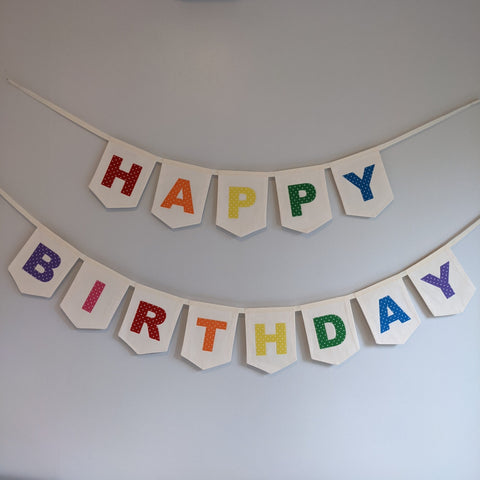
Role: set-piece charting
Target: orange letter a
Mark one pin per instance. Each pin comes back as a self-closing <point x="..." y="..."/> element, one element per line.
<point x="181" y="185"/>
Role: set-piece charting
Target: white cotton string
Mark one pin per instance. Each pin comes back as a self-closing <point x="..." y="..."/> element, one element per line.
<point x="62" y="112"/>
<point x="463" y="233"/>
<point x="108" y="137"/>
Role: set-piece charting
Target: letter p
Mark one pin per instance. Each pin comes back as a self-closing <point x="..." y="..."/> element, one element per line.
<point x="234" y="201"/>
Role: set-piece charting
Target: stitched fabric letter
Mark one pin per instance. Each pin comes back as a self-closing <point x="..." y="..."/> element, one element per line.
<point x="150" y="314"/>
<point x="442" y="281"/>
<point x="235" y="203"/>
<point x="185" y="201"/>
<point x="321" y="330"/>
<point x="42" y="262"/>
<point x="385" y="305"/>
<point x="279" y="337"/>
<point x="297" y="200"/>
<point x="129" y="178"/>
<point x="362" y="183"/>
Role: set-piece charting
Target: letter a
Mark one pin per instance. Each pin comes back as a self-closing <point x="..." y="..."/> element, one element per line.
<point x="181" y="185"/>
<point x="385" y="304"/>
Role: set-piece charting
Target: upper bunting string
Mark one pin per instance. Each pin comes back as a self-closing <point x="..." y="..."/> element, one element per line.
<point x="304" y="205"/>
<point x="454" y="240"/>
<point x="110" y="138"/>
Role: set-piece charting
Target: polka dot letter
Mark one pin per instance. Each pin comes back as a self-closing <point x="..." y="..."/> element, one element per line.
<point x="130" y="178"/>
<point x="150" y="314"/>
<point x="211" y="328"/>
<point x="279" y="337"/>
<point x="234" y="202"/>
<point x="185" y="201"/>
<point x="363" y="183"/>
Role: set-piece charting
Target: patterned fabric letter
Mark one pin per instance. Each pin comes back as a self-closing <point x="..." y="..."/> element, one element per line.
<point x="185" y="201"/>
<point x="211" y="327"/>
<point x="279" y="337"/>
<point x="296" y="200"/>
<point x="321" y="330"/>
<point x="362" y="183"/>
<point x="234" y="202"/>
<point x="442" y="282"/>
<point x="385" y="304"/>
<point x="42" y="262"/>
<point x="144" y="315"/>
<point x="130" y="178"/>
<point x="93" y="296"/>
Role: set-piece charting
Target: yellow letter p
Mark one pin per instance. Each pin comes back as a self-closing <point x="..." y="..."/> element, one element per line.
<point x="234" y="202"/>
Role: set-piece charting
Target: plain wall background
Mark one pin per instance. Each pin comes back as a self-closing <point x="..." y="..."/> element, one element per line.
<point x="240" y="84"/>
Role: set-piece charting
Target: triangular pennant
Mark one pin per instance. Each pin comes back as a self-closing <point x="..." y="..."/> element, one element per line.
<point x="271" y="340"/>
<point x="303" y="198"/>
<point x="389" y="311"/>
<point x="150" y="320"/>
<point x="94" y="296"/>
<point x="330" y="328"/>
<point x="442" y="283"/>
<point x="121" y="175"/>
<point x="181" y="194"/>
<point x="362" y="183"/>
<point x="209" y="334"/>
<point x="42" y="264"/>
<point x="242" y="203"/>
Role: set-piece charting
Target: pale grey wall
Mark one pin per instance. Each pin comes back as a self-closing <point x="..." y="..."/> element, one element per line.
<point x="240" y="84"/>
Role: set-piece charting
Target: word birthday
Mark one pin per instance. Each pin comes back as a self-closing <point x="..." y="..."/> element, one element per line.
<point x="148" y="324"/>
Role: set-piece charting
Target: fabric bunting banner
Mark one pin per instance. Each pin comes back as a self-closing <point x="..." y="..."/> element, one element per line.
<point x="42" y="264"/>
<point x="389" y="311"/>
<point x="331" y="333"/>
<point x="271" y="339"/>
<point x="442" y="283"/>
<point x="181" y="194"/>
<point x="94" y="296"/>
<point x="303" y="199"/>
<point x="209" y="334"/>
<point x="150" y="320"/>
<point x="242" y="203"/>
<point x="363" y="184"/>
<point x="124" y="170"/>
<point x="121" y="175"/>
<point x="97" y="291"/>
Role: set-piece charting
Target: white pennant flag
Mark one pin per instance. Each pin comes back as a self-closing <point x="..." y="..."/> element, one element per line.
<point x="331" y="333"/>
<point x="363" y="184"/>
<point x="121" y="175"/>
<point x="94" y="296"/>
<point x="42" y="264"/>
<point x="150" y="320"/>
<point x="442" y="283"/>
<point x="389" y="311"/>
<point x="209" y="334"/>
<point x="181" y="194"/>
<point x="303" y="198"/>
<point x="242" y="202"/>
<point x="271" y="341"/>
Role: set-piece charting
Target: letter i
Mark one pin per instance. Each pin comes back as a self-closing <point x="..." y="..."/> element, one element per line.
<point x="93" y="296"/>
